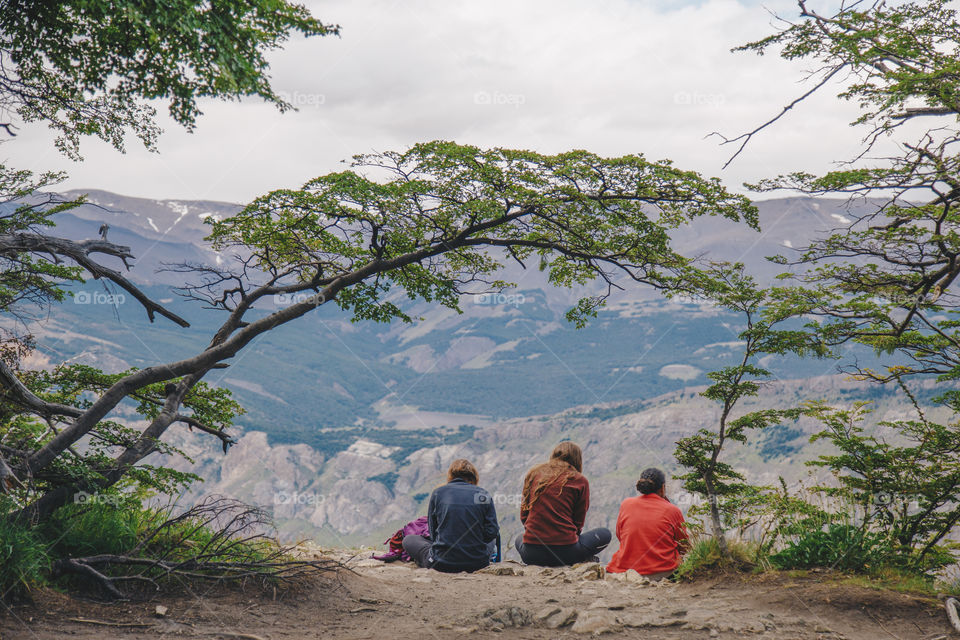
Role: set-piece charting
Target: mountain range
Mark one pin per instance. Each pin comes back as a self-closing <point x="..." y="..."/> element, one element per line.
<point x="350" y="425"/>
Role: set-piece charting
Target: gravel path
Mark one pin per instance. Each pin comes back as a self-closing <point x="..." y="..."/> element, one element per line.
<point x="374" y="600"/>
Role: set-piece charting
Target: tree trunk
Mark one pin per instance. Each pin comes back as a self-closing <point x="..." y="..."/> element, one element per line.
<point x="715" y="518"/>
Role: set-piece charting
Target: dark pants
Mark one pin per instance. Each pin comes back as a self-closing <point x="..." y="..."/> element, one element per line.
<point x="418" y="548"/>
<point x="549" y="555"/>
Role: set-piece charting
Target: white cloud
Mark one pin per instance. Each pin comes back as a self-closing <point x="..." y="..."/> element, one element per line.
<point x="614" y="77"/>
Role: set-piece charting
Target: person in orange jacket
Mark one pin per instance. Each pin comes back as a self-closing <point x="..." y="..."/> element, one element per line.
<point x="651" y="531"/>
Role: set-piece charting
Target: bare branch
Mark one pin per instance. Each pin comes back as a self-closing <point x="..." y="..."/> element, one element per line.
<point x="744" y="138"/>
<point x="79" y="252"/>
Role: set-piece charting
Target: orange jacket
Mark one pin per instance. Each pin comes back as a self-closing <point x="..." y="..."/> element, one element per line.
<point x="649" y="529"/>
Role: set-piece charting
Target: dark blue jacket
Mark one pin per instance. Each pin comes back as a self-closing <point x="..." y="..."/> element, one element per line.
<point x="462" y="523"/>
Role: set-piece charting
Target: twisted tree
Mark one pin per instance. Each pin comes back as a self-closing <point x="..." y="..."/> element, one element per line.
<point x="432" y="224"/>
<point x="889" y="279"/>
<point x="90" y="69"/>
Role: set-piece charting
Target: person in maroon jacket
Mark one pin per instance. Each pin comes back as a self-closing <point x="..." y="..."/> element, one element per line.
<point x="556" y="496"/>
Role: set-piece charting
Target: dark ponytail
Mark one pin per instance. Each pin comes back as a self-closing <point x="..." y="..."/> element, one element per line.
<point x="651" y="481"/>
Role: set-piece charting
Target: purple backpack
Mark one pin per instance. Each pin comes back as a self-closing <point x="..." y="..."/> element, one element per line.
<point x="418" y="527"/>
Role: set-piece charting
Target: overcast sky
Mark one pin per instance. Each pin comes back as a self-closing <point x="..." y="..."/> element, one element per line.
<point x="613" y="77"/>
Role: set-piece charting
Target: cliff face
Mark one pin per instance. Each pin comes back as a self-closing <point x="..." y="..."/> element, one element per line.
<point x="363" y="493"/>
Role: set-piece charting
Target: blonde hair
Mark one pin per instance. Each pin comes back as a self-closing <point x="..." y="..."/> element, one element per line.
<point x="463" y="469"/>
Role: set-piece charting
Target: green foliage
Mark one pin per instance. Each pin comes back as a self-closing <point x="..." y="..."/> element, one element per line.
<point x="105" y="523"/>
<point x="842" y="547"/>
<point x="28" y="278"/>
<point x="24" y="558"/>
<point x="886" y="281"/>
<point x="217" y="539"/>
<point x="709" y="476"/>
<point x="905" y="478"/>
<point x="87" y="67"/>
<point x="901" y="56"/>
<point x="576" y="216"/>
<point x="705" y="557"/>
<point x="783" y="516"/>
<point x="75" y="386"/>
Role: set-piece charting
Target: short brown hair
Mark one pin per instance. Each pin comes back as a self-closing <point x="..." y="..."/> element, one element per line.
<point x="463" y="469"/>
<point x="569" y="453"/>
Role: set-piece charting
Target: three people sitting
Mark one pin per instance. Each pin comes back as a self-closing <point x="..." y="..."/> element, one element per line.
<point x="556" y="496"/>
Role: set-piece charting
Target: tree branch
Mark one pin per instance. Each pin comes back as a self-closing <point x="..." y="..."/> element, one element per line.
<point x="79" y="252"/>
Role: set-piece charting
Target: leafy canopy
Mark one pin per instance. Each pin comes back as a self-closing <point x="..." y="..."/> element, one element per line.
<point x="86" y="67"/>
<point x="576" y="216"/>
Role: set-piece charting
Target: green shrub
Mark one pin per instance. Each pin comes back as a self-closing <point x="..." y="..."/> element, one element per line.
<point x="704" y="556"/>
<point x="218" y="539"/>
<point x="843" y="547"/>
<point x="107" y="524"/>
<point x="24" y="559"/>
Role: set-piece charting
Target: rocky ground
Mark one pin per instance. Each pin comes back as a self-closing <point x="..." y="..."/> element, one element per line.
<point x="373" y="600"/>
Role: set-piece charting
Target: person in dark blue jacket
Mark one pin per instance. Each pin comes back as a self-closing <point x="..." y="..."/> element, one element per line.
<point x="462" y="521"/>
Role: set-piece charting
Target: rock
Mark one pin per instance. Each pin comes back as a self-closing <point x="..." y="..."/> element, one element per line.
<point x="501" y="571"/>
<point x="633" y="577"/>
<point x="422" y="579"/>
<point x="596" y="622"/>
<point x="546" y="612"/>
<point x="363" y="610"/>
<point x="499" y="619"/>
<point x="463" y="631"/>
<point x="648" y="619"/>
<point x="589" y="571"/>
<point x="160" y="611"/>
<point x="561" y="618"/>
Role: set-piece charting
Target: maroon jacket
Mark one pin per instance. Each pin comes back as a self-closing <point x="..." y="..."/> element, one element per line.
<point x="556" y="518"/>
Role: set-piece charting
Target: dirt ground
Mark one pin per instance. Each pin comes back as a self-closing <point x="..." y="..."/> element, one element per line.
<point x="372" y="600"/>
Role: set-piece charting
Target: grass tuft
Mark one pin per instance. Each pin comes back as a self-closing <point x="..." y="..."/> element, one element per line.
<point x="704" y="557"/>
